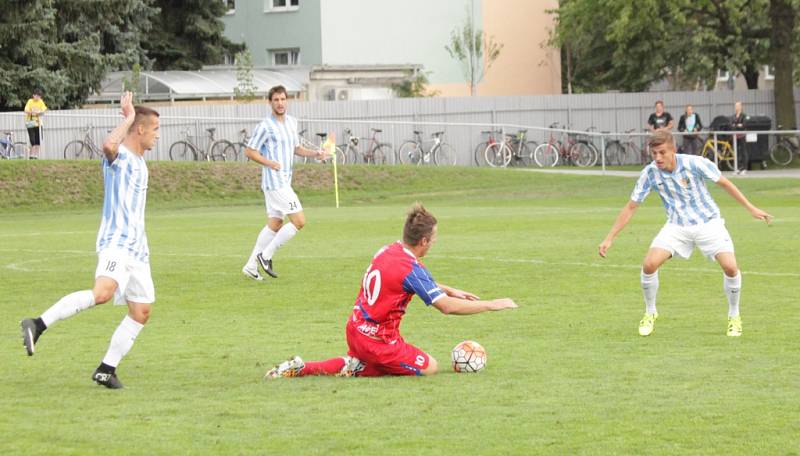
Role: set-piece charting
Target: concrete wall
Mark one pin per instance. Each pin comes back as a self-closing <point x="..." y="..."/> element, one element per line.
<point x="276" y="30"/>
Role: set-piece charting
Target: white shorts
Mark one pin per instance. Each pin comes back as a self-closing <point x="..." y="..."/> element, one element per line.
<point x="711" y="238"/>
<point x="282" y="202"/>
<point x="134" y="282"/>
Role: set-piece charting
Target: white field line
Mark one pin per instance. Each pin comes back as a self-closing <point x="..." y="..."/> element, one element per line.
<point x="47" y="255"/>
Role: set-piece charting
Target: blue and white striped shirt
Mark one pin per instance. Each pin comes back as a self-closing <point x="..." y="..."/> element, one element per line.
<point x="122" y="227"/>
<point x="276" y="141"/>
<point x="683" y="191"/>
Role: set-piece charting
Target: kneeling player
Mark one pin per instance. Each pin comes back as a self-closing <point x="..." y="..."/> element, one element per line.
<point x="395" y="275"/>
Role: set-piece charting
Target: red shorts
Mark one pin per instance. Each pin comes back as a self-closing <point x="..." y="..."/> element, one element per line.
<point x="381" y="358"/>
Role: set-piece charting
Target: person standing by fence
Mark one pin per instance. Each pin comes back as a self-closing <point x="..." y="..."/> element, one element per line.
<point x="690" y="123"/>
<point x="737" y="121"/>
<point x="659" y="120"/>
<point x="34" y="110"/>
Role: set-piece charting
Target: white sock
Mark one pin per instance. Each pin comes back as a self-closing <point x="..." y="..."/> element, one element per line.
<point x="264" y="238"/>
<point x="650" y="289"/>
<point x="122" y="340"/>
<point x="283" y="236"/>
<point x="732" y="286"/>
<point x="68" y="306"/>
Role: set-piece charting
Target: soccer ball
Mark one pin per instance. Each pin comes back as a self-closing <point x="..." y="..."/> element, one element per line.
<point x="468" y="356"/>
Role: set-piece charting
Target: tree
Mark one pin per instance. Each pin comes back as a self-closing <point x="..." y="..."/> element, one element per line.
<point x="618" y="44"/>
<point x="245" y="89"/>
<point x="475" y="51"/>
<point x="189" y="34"/>
<point x="782" y="15"/>
<point x="414" y="86"/>
<point x="66" y="47"/>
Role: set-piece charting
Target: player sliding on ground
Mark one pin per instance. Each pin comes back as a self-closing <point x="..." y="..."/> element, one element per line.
<point x="693" y="219"/>
<point x="395" y="275"/>
<point x="123" y="258"/>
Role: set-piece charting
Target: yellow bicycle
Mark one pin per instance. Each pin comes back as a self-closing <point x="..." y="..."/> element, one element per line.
<point x="723" y="151"/>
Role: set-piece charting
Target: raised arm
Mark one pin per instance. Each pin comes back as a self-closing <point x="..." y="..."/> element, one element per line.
<point x="734" y="191"/>
<point x="118" y="134"/>
<point x="623" y="218"/>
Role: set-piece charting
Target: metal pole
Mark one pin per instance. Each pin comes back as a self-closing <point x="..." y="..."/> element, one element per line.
<point x="716" y="159"/>
<point x="603" y="153"/>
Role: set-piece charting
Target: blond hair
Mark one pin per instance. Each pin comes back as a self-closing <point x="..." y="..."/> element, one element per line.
<point x="660" y="137"/>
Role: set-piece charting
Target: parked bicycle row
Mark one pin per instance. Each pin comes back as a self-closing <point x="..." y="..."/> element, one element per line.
<point x="497" y="148"/>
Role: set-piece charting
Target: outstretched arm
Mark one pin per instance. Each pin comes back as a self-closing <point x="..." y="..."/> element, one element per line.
<point x="734" y="191"/>
<point x="117" y="135"/>
<point x="319" y="154"/>
<point x="623" y="218"/>
<point x="456" y="293"/>
<point x="458" y="306"/>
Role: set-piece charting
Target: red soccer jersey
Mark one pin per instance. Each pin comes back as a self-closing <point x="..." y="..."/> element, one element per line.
<point x="392" y="279"/>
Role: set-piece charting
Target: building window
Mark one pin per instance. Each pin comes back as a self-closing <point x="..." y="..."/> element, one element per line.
<point x="230" y="5"/>
<point x="769" y="73"/>
<point x="228" y="59"/>
<point x="277" y="6"/>
<point x="723" y="75"/>
<point x="285" y="56"/>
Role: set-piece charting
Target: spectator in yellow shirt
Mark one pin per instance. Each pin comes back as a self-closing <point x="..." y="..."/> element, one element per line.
<point x="34" y="109"/>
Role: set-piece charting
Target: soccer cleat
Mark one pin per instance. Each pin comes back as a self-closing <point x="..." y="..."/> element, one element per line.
<point x="250" y="274"/>
<point x="105" y="379"/>
<point x="30" y="334"/>
<point x="647" y="324"/>
<point x="289" y="368"/>
<point x="734" y="326"/>
<point x="266" y="265"/>
<point x="352" y="367"/>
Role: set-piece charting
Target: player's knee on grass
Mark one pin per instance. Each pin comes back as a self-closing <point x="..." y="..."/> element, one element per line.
<point x="432" y="368"/>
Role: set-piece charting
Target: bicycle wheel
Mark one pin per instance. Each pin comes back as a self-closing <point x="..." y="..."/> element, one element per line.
<point x="351" y="154"/>
<point x="479" y="150"/>
<point x="20" y="150"/>
<point x="615" y="153"/>
<point x="582" y="155"/>
<point x="444" y="155"/>
<point x="497" y="155"/>
<point x="76" y="149"/>
<point x="220" y="149"/>
<point x="545" y="155"/>
<point x="409" y="153"/>
<point x="232" y="152"/>
<point x="725" y="154"/>
<point x="182" y="151"/>
<point x="781" y="153"/>
<point x="378" y="155"/>
<point x="526" y="153"/>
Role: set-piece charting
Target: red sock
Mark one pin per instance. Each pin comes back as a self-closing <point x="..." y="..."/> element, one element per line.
<point x="328" y="367"/>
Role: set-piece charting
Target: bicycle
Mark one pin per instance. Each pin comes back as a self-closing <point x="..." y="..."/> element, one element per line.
<point x="377" y="153"/>
<point x="575" y="151"/>
<point x="412" y="152"/>
<point x="10" y="150"/>
<point x="513" y="150"/>
<point x="722" y="152"/>
<point x="186" y="149"/>
<point x="626" y="152"/>
<point x="84" y="148"/>
<point x="480" y="149"/>
<point x="784" y="150"/>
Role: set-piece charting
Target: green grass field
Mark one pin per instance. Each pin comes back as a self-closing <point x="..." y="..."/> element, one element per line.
<point x="567" y="371"/>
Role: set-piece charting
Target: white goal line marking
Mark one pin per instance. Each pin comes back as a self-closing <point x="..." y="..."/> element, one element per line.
<point x="17" y="266"/>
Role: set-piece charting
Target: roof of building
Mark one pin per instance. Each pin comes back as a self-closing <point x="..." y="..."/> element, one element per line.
<point x="202" y="84"/>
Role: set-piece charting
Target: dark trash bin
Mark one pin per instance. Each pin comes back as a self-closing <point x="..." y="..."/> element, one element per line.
<point x="758" y="151"/>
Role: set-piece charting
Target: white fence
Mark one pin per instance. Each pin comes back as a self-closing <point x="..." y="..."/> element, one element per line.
<point x="462" y="119"/>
